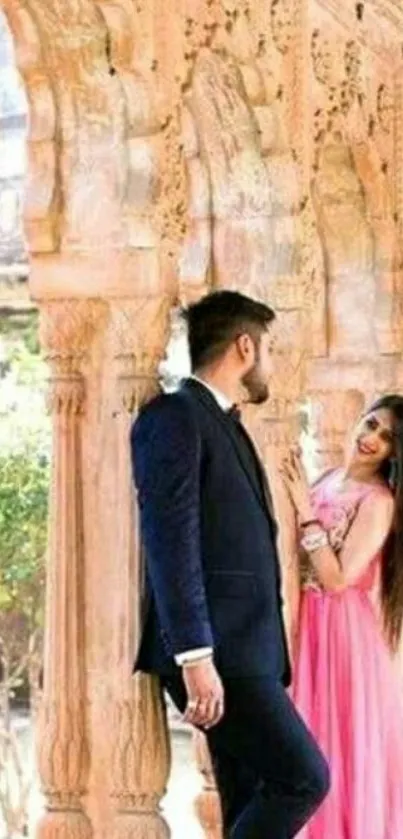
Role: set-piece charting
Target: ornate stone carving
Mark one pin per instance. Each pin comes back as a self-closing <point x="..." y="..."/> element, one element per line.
<point x="141" y="754"/>
<point x="353" y="102"/>
<point x="135" y="74"/>
<point x="67" y="329"/>
<point x="140" y="762"/>
<point x="267" y="138"/>
<point x="139" y="333"/>
<point x="282" y="19"/>
<point x="312" y="275"/>
<point x="244" y="187"/>
<point x="91" y="129"/>
<point x="384" y="108"/>
<point x="398" y="132"/>
<point x="42" y="193"/>
<point x="341" y="86"/>
<point x="355" y="219"/>
<point x="348" y="240"/>
<point x="207" y="804"/>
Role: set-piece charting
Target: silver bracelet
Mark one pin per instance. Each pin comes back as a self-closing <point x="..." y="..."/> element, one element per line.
<point x="311" y="542"/>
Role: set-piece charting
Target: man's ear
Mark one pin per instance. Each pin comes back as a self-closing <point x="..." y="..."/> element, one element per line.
<point x="245" y="347"/>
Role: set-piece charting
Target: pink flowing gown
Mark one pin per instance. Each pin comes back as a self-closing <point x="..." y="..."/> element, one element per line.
<point x="347" y="688"/>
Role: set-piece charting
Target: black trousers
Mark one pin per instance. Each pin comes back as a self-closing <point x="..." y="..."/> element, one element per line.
<point x="270" y="773"/>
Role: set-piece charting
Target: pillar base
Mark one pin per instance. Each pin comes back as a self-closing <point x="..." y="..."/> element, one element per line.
<point x="64" y="824"/>
<point x="140" y="825"/>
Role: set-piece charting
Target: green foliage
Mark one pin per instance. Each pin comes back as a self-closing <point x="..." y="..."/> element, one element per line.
<point x="20" y="329"/>
<point x="24" y="478"/>
<point x="24" y="482"/>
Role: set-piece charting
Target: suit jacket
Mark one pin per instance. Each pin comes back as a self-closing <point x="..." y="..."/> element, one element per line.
<point x="209" y="537"/>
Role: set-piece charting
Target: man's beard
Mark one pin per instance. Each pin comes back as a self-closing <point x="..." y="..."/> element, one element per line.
<point x="256" y="388"/>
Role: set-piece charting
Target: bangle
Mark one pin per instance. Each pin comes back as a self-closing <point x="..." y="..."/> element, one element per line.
<point x="308" y="523"/>
<point x="314" y="541"/>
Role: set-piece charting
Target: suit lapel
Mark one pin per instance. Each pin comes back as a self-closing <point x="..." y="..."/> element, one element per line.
<point x="263" y="476"/>
<point x="228" y="426"/>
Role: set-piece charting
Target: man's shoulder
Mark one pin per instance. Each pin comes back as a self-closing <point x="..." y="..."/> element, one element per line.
<point x="165" y="408"/>
<point x="165" y="403"/>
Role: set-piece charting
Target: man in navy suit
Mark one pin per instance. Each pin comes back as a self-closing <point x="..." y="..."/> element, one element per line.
<point x="214" y="629"/>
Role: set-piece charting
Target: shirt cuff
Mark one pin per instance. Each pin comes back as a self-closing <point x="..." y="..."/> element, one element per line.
<point x="193" y="655"/>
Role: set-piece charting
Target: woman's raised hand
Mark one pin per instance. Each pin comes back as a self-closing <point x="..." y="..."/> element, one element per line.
<point x="294" y="476"/>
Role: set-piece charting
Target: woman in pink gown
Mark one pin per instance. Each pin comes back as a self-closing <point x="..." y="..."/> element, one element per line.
<point x="346" y="677"/>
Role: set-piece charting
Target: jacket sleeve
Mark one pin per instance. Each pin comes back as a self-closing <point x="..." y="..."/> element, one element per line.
<point x="166" y="456"/>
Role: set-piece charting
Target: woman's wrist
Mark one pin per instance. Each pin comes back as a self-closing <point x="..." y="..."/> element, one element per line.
<point x="306" y="515"/>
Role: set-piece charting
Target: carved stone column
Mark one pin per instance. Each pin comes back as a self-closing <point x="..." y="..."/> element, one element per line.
<point x="207" y="804"/>
<point x="278" y="430"/>
<point x="141" y="751"/>
<point x="66" y="332"/>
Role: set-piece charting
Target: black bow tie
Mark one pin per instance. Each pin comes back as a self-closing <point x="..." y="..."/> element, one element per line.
<point x="234" y="413"/>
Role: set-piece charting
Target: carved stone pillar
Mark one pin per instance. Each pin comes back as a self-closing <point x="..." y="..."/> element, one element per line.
<point x="277" y="431"/>
<point x="66" y="332"/>
<point x="141" y="751"/>
<point x="207" y="804"/>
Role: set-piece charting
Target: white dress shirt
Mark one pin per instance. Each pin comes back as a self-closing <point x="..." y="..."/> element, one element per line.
<point x="203" y="652"/>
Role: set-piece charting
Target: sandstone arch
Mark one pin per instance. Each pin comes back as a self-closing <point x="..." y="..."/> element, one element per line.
<point x="114" y="126"/>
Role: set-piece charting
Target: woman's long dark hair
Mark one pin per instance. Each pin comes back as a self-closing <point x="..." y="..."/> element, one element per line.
<point x="392" y="565"/>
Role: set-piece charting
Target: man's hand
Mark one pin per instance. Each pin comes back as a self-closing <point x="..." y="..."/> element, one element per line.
<point x="205" y="706"/>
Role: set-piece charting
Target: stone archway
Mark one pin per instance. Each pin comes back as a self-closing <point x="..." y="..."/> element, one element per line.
<point x="95" y="275"/>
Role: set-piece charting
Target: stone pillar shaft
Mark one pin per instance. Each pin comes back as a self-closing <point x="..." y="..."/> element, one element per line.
<point x="64" y="746"/>
<point x="141" y="750"/>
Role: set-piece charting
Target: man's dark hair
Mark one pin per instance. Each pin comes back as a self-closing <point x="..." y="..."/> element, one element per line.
<point x="218" y="319"/>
